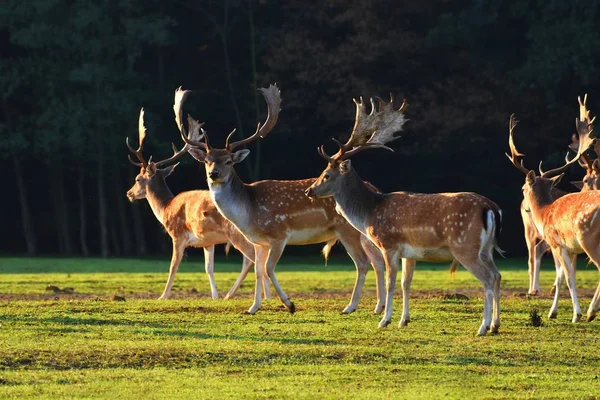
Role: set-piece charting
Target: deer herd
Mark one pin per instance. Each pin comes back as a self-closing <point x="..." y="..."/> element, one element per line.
<point x="377" y="229"/>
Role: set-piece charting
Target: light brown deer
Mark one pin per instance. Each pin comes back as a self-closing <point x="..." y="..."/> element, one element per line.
<point x="416" y="226"/>
<point x="568" y="224"/>
<point x="275" y="213"/>
<point x="190" y="218"/>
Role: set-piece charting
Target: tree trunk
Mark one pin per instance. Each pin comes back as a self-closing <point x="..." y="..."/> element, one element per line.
<point x="114" y="237"/>
<point x="138" y="228"/>
<point x="123" y="221"/>
<point x="62" y="214"/>
<point x="102" y="223"/>
<point x="26" y="221"/>
<point x="255" y="174"/>
<point x="82" y="214"/>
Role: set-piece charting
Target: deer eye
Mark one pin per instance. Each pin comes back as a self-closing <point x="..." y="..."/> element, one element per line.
<point x="228" y="162"/>
<point x="325" y="177"/>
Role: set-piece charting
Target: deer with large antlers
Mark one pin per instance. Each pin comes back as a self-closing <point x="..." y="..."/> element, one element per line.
<point x="275" y="213"/>
<point x="568" y="224"/>
<point x="428" y="227"/>
<point x="190" y="218"/>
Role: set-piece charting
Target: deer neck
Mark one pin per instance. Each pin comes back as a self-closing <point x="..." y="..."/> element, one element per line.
<point x="159" y="196"/>
<point x="355" y="201"/>
<point x="233" y="199"/>
<point x="538" y="204"/>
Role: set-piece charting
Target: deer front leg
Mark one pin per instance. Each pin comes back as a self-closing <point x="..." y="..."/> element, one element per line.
<point x="391" y="268"/>
<point x="246" y="265"/>
<point x="260" y="253"/>
<point x="540" y="249"/>
<point x="408" y="267"/>
<point x="176" y="257"/>
<point x="209" y="268"/>
<point x="275" y="251"/>
<point x="352" y="243"/>
<point x="378" y="265"/>
<point x="560" y="277"/>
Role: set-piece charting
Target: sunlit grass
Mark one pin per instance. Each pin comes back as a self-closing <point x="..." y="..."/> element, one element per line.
<point x="85" y="345"/>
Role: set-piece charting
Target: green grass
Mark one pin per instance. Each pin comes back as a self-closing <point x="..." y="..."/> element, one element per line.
<point x="86" y="346"/>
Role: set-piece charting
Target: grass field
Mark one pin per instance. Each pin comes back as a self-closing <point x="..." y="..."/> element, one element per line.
<point x="86" y="345"/>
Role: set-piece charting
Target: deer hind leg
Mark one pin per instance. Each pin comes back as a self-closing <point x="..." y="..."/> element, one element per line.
<point x="275" y="251"/>
<point x="530" y="241"/>
<point x="178" y="249"/>
<point x="391" y="259"/>
<point x="352" y="244"/>
<point x="540" y="249"/>
<point x="378" y="265"/>
<point x="209" y="268"/>
<point x="486" y="272"/>
<point x="246" y="266"/>
<point x="566" y="260"/>
<point x="408" y="267"/>
<point x="560" y="277"/>
<point x="593" y="252"/>
<point x="260" y="254"/>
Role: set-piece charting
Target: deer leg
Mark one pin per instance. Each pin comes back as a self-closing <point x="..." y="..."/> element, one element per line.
<point x="559" y="274"/>
<point x="530" y="241"/>
<point x="176" y="257"/>
<point x="275" y="251"/>
<point x="209" y="268"/>
<point x="487" y="273"/>
<point x="560" y="277"/>
<point x="260" y="253"/>
<point x="246" y="265"/>
<point x="266" y="286"/>
<point x="391" y="268"/>
<point x="540" y="249"/>
<point x="361" y="261"/>
<point x="408" y="267"/>
<point x="378" y="265"/>
<point x="567" y="262"/>
<point x="593" y="252"/>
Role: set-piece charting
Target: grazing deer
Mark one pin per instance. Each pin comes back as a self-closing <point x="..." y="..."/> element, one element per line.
<point x="275" y="213"/>
<point x="415" y="226"/>
<point x="568" y="224"/>
<point x="190" y="218"/>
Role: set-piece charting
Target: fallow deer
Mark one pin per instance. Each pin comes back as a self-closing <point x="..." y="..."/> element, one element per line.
<point x="415" y="226"/>
<point x="275" y="213"/>
<point x="190" y="218"/>
<point x="568" y="224"/>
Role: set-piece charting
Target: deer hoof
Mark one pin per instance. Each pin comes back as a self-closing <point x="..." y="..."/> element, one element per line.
<point x="495" y="328"/>
<point x="384" y="323"/>
<point x="292" y="308"/>
<point x="349" y="310"/>
<point x="404" y="322"/>
<point x="591" y="316"/>
<point x="378" y="309"/>
<point x="552" y="315"/>
<point x="576" y="318"/>
<point x="163" y="297"/>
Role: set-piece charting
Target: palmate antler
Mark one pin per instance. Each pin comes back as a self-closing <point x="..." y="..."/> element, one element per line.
<point x="272" y="96"/>
<point x="514" y="153"/>
<point x="373" y="130"/>
<point x="180" y="96"/>
<point x="585" y="139"/>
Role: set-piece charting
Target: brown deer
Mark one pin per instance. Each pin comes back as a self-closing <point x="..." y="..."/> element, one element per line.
<point x="275" y="213"/>
<point x="190" y="218"/>
<point x="428" y="227"/>
<point x="568" y="224"/>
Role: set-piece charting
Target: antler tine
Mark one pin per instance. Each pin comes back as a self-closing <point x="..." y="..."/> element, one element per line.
<point x="586" y="139"/>
<point x="514" y="153"/>
<point x="272" y="96"/>
<point x="193" y="137"/>
<point x="321" y="151"/>
<point x="141" y="138"/>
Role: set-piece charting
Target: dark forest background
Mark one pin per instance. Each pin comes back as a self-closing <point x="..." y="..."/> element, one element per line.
<point x="74" y="74"/>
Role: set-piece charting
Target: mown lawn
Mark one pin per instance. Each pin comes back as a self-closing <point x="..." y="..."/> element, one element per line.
<point x="87" y="345"/>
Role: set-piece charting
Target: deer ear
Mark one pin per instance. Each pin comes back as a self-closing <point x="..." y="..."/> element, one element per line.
<point x="577" y="184"/>
<point x="151" y="169"/>
<point x="345" y="167"/>
<point x="530" y="177"/>
<point x="240" y="155"/>
<point x="169" y="170"/>
<point x="557" y="178"/>
<point x="198" y="154"/>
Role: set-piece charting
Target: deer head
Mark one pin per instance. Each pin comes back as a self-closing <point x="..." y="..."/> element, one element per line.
<point x="219" y="162"/>
<point x="371" y="131"/>
<point x="150" y="170"/>
<point x="539" y="188"/>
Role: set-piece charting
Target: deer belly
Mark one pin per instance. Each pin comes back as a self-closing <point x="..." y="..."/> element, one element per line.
<point x="205" y="239"/>
<point x="310" y="236"/>
<point x="425" y="253"/>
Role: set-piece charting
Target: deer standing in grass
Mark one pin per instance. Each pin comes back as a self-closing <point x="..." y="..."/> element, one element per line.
<point x="568" y="224"/>
<point x="190" y="218"/>
<point x="428" y="227"/>
<point x="275" y="213"/>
